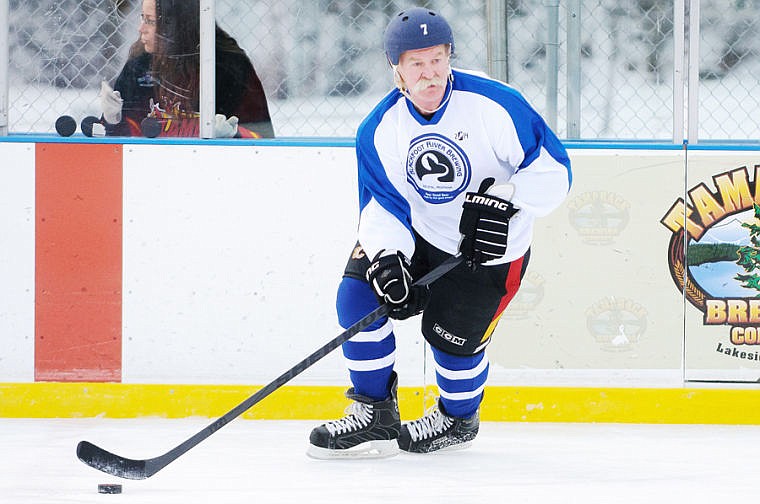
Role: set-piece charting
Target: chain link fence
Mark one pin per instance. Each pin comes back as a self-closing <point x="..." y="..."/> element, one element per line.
<point x="322" y="65"/>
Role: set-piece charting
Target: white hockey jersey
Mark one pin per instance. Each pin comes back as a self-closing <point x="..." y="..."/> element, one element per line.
<point x="414" y="172"/>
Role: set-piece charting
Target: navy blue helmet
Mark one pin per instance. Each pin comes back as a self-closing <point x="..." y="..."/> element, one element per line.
<point x="415" y="28"/>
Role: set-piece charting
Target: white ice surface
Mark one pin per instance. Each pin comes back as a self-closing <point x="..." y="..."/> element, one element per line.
<point x="257" y="462"/>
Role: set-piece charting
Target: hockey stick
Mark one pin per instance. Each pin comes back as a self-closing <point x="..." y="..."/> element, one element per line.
<point x="137" y="469"/>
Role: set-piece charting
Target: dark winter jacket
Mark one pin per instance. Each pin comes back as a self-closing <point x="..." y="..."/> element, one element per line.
<point x="238" y="92"/>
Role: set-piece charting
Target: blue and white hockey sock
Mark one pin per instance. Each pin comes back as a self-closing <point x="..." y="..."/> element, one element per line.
<point x="371" y="354"/>
<point x="461" y="380"/>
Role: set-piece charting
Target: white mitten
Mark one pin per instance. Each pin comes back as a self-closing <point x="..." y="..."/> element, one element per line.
<point x="110" y="103"/>
<point x="225" y="128"/>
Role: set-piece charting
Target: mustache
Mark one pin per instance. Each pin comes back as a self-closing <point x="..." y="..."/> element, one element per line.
<point x="423" y="84"/>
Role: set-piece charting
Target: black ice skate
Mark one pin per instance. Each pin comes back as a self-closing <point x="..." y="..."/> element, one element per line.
<point x="369" y="430"/>
<point x="438" y="431"/>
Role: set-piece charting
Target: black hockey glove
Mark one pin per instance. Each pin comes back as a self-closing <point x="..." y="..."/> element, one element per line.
<point x="484" y="225"/>
<point x="390" y="279"/>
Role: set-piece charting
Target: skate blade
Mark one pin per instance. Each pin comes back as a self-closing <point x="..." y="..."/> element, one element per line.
<point x="368" y="450"/>
<point x="453" y="447"/>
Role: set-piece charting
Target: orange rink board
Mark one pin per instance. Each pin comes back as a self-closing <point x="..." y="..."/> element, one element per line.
<point x="78" y="262"/>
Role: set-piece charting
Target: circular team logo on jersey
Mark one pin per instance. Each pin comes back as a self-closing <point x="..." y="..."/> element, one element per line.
<point x="437" y="168"/>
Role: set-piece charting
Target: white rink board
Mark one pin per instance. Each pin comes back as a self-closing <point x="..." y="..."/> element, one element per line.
<point x="232" y="257"/>
<point x="17" y="262"/>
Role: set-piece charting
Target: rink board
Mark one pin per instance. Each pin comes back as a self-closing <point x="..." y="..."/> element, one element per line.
<point x="505" y="404"/>
<point x="176" y="264"/>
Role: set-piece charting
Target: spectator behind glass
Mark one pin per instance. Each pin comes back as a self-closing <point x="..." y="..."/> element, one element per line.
<point x="161" y="79"/>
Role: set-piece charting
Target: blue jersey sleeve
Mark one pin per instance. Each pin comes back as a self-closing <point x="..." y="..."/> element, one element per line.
<point x="373" y="178"/>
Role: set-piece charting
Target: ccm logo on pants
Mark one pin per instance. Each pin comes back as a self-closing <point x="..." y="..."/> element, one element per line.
<point x="443" y="333"/>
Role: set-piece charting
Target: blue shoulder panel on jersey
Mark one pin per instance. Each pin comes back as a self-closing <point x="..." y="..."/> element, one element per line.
<point x="532" y="130"/>
<point x="373" y="181"/>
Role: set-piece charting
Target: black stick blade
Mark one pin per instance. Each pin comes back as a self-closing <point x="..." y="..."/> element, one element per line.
<point x="110" y="463"/>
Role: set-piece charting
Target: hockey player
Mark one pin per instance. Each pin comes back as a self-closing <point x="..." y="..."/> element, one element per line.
<point x="448" y="162"/>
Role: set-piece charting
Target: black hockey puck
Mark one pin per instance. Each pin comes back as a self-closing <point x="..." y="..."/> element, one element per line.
<point x="150" y="127"/>
<point x="91" y="126"/>
<point x="65" y="125"/>
<point x="109" y="488"/>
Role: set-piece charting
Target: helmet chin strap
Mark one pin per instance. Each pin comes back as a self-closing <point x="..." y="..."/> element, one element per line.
<point x="401" y="85"/>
